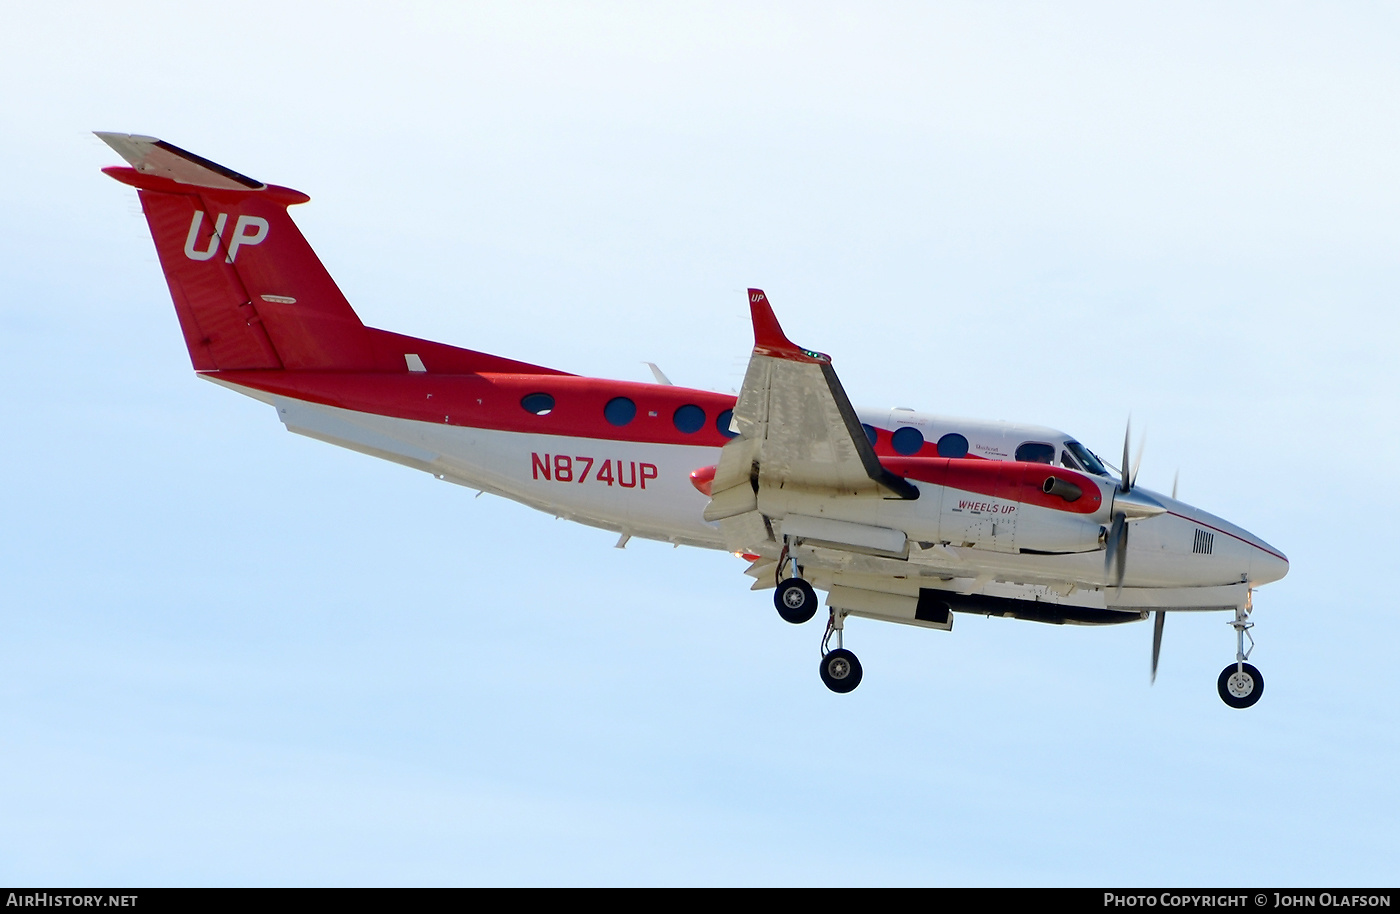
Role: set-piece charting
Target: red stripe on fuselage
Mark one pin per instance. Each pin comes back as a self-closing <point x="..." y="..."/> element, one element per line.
<point x="492" y="401"/>
<point x="1010" y="480"/>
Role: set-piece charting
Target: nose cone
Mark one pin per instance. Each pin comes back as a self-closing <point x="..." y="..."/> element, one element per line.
<point x="1236" y="551"/>
<point x="1266" y="564"/>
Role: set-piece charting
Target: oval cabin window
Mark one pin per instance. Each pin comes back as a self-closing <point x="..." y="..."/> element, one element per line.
<point x="620" y="411"/>
<point x="689" y="419"/>
<point x="907" y="441"/>
<point x="952" y="445"/>
<point x="722" y="424"/>
<point x="541" y="404"/>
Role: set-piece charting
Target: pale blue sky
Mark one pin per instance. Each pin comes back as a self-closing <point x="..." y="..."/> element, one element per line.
<point x="237" y="656"/>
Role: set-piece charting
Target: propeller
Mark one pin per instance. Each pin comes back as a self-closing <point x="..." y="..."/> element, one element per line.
<point x="1115" y="559"/>
<point x="1130" y="479"/>
<point x="1130" y="505"/>
<point x="1115" y="556"/>
<point x="1159" y="619"/>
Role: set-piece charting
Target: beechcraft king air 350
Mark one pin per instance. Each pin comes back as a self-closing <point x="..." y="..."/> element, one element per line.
<point x="898" y="515"/>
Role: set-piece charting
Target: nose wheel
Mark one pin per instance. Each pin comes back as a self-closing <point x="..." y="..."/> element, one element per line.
<point x="1241" y="684"/>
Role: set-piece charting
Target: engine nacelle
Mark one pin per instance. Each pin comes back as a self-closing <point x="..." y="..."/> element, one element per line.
<point x="1004" y="506"/>
<point x="1009" y="506"/>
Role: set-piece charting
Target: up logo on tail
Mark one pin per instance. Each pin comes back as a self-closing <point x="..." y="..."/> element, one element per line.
<point x="247" y="231"/>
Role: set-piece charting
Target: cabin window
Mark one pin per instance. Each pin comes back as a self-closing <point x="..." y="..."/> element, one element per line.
<point x="1067" y="461"/>
<point x="952" y="445"/>
<point x="722" y="423"/>
<point x="907" y="441"/>
<point x="870" y="433"/>
<point x="689" y="419"/>
<point x="1036" y="452"/>
<point x="541" y="404"/>
<point x="620" y="411"/>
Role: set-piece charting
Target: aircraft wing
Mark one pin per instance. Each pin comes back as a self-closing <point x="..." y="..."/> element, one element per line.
<point x="796" y="429"/>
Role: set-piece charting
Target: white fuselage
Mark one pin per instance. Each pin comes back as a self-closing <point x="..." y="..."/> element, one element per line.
<point x="645" y="490"/>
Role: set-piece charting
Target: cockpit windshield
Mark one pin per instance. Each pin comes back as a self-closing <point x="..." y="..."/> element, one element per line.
<point x="1086" y="457"/>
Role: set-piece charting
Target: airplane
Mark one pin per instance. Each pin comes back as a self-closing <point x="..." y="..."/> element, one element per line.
<point x="898" y="515"/>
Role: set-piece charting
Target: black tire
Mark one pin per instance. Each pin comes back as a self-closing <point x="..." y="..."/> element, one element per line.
<point x="1240" y="688"/>
<point x="840" y="671"/>
<point x="796" y="601"/>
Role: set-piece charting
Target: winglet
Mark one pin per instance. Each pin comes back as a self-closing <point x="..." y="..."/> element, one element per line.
<point x="768" y="336"/>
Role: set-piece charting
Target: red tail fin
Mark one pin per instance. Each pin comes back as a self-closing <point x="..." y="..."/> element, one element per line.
<point x="249" y="291"/>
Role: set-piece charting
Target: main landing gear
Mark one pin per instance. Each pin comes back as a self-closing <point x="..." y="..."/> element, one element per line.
<point x="796" y="602"/>
<point x="1241" y="684"/>
<point x="840" y="670"/>
<point x="795" y="599"/>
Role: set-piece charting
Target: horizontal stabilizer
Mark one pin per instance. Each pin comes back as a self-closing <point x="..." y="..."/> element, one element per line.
<point x="151" y="156"/>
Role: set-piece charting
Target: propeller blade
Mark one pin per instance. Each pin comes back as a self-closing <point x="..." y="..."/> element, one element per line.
<point x="1175" y="478"/>
<point x="1159" y="619"/>
<point x="1142" y="446"/>
<point x="1115" y="559"/>
<point x="1115" y="556"/>
<point x="1120" y="562"/>
<point x="1127" y="433"/>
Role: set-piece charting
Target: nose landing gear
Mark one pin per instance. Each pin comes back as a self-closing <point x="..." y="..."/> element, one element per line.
<point x="1241" y="684"/>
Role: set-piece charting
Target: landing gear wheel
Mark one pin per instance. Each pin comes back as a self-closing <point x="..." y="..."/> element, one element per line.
<point x="1240" y="688"/>
<point x="840" y="670"/>
<point x="796" y="601"/>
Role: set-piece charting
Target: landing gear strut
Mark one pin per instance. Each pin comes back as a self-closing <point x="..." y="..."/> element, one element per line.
<point x="1241" y="684"/>
<point x="840" y="670"/>
<point x="796" y="602"/>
